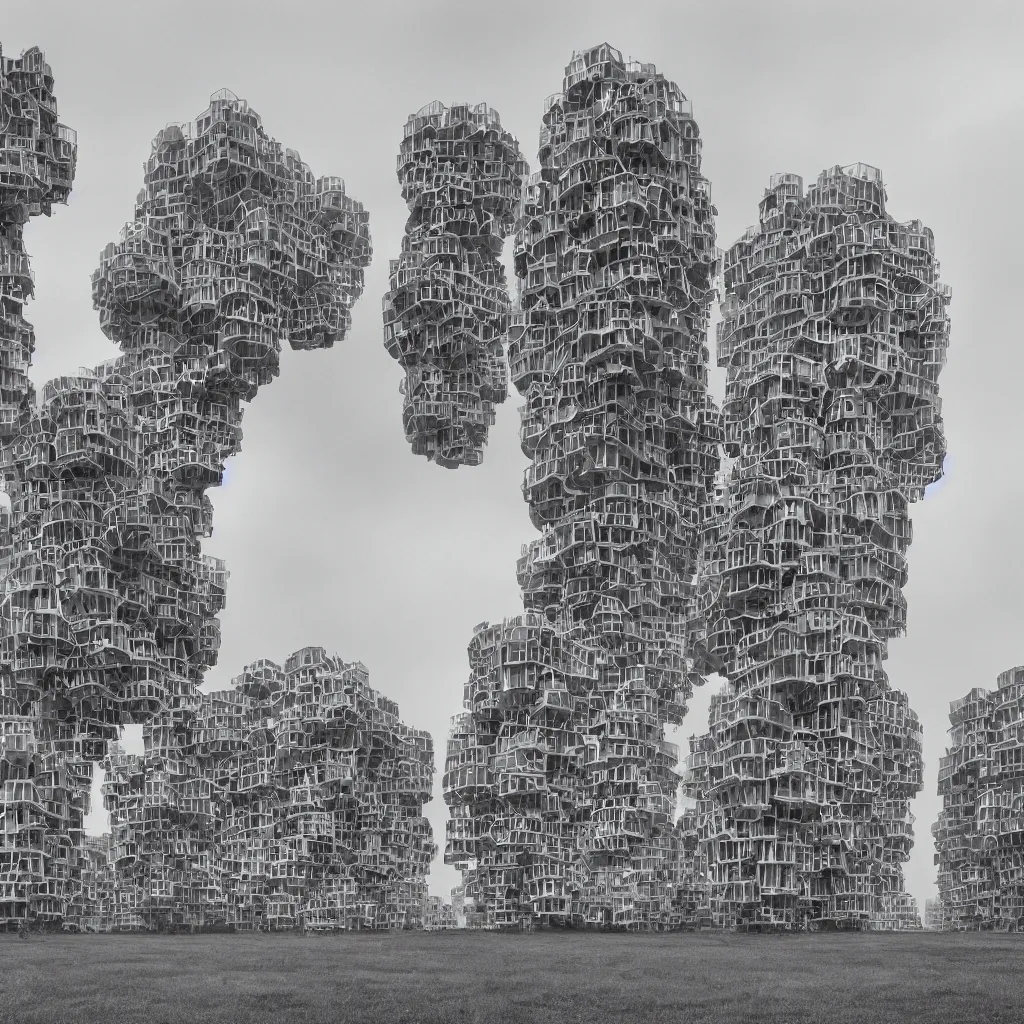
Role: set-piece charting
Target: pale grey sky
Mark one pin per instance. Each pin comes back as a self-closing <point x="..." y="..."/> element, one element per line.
<point x="334" y="533"/>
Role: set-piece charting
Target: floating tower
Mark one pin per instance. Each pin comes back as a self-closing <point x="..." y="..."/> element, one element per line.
<point x="446" y="315"/>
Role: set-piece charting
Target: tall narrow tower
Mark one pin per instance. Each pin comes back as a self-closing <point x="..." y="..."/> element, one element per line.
<point x="43" y="792"/>
<point x="834" y="331"/>
<point x="560" y="779"/>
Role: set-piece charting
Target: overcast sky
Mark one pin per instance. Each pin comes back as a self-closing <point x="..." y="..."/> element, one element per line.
<point x="334" y="533"/>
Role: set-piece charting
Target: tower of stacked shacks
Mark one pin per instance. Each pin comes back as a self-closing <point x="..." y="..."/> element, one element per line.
<point x="446" y="315"/>
<point x="560" y="781"/>
<point x="834" y="331"/>
<point x="295" y="798"/>
<point x="43" y="777"/>
<point x="979" y="834"/>
<point x="108" y="612"/>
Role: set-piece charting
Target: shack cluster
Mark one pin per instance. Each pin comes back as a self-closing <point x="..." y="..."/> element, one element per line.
<point x="765" y="541"/>
<point x="296" y="796"/>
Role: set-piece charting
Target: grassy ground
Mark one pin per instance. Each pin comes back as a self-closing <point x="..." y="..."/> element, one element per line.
<point x="590" y="978"/>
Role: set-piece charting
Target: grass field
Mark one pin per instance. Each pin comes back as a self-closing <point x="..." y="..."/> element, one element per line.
<point x="573" y="978"/>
